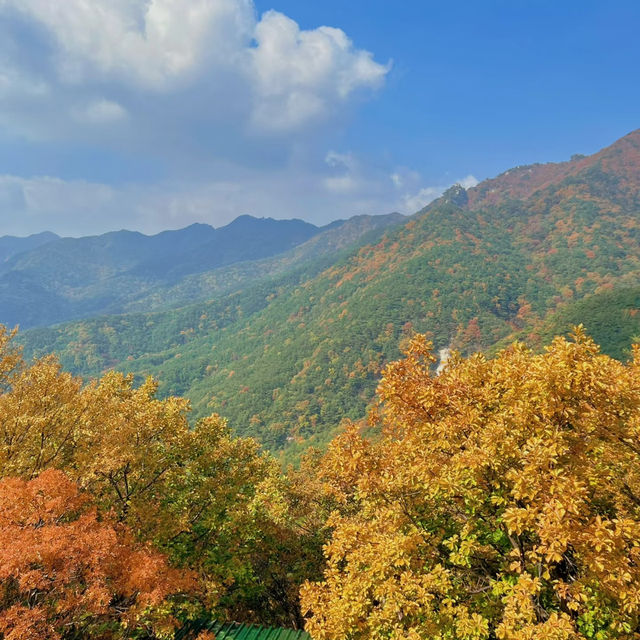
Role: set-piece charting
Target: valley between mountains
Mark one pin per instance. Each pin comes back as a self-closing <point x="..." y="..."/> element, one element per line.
<point x="288" y="346"/>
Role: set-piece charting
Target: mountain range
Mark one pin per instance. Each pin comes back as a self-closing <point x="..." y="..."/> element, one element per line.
<point x="292" y="351"/>
<point x="45" y="279"/>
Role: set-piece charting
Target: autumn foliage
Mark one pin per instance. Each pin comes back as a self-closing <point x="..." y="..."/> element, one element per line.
<point x="214" y="504"/>
<point x="67" y="571"/>
<point x="501" y="501"/>
<point x="497" y="499"/>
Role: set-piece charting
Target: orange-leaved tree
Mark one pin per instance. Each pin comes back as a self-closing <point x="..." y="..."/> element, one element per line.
<point x="67" y="571"/>
<point x="502" y="500"/>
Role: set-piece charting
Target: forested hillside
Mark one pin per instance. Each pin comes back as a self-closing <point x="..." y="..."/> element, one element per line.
<point x="613" y="316"/>
<point x="288" y="359"/>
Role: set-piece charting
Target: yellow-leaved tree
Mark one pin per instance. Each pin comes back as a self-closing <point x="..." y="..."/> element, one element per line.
<point x="502" y="500"/>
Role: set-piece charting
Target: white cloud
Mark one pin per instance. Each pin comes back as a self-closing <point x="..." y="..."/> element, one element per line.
<point x="468" y="182"/>
<point x="13" y="84"/>
<point x="217" y="49"/>
<point x="301" y="75"/>
<point x="405" y="179"/>
<point x="12" y="197"/>
<point x="230" y="111"/>
<point x="415" y="202"/>
<point x="101" y="112"/>
<point x="145" y="42"/>
<point x="348" y="174"/>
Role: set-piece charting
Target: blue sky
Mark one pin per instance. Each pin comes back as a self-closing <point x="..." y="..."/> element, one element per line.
<point x="153" y="114"/>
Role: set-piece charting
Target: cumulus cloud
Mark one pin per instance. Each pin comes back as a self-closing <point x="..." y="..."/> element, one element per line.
<point x="300" y="75"/>
<point x="141" y="54"/>
<point x="145" y="43"/>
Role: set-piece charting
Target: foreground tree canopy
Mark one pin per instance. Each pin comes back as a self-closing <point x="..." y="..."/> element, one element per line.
<point x="501" y="500"/>
<point x="214" y="504"/>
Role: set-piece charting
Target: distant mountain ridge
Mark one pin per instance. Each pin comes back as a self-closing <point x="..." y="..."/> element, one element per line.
<point x="72" y="261"/>
<point x="45" y="279"/>
<point x="246" y="238"/>
<point x="12" y="245"/>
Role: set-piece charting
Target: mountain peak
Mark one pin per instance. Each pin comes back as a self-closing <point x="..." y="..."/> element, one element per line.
<point x="247" y="220"/>
<point x="246" y="217"/>
<point x="456" y="195"/>
<point x="621" y="160"/>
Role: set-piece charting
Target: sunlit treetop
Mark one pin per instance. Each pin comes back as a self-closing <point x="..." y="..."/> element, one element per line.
<point x="502" y="500"/>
